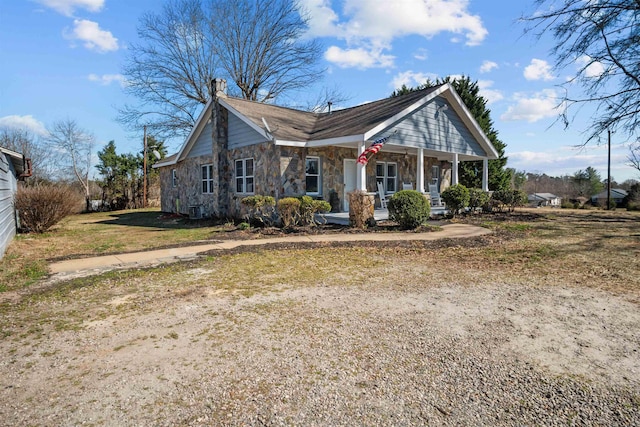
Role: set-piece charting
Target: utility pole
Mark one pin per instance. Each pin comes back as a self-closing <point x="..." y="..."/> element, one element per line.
<point x="144" y="171"/>
<point x="609" y="170"/>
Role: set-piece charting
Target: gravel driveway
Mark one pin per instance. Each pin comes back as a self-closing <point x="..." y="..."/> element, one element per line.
<point x="378" y="353"/>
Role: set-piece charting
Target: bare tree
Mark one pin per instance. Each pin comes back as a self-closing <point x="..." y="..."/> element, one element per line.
<point x="75" y="146"/>
<point x="260" y="48"/>
<point x="31" y="146"/>
<point x="255" y="44"/>
<point x="634" y="156"/>
<point x="170" y="73"/>
<point x="601" y="38"/>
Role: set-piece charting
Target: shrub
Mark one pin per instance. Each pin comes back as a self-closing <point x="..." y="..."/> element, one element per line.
<point x="42" y="206"/>
<point x="456" y="197"/>
<point x="288" y="209"/>
<point x="244" y="226"/>
<point x="477" y="198"/>
<point x="308" y="209"/>
<point x="409" y="209"/>
<point x="509" y="199"/>
<point x="261" y="210"/>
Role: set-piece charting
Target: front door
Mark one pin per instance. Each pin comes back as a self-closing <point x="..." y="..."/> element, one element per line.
<point x="349" y="177"/>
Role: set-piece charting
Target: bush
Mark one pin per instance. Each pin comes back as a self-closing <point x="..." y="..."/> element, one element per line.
<point x="42" y="206"/>
<point x="308" y="209"/>
<point x="261" y="210"/>
<point x="509" y="199"/>
<point x="456" y="197"/>
<point x="288" y="210"/>
<point x="409" y="209"/>
<point x="477" y="198"/>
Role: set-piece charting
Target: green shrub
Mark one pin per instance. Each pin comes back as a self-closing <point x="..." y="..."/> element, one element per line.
<point x="633" y="206"/>
<point x="456" y="197"/>
<point x="477" y="198"/>
<point x="244" y="226"/>
<point x="408" y="208"/>
<point x="288" y="210"/>
<point x="42" y="206"/>
<point x="509" y="199"/>
<point x="566" y="204"/>
<point x="308" y="209"/>
<point x="261" y="210"/>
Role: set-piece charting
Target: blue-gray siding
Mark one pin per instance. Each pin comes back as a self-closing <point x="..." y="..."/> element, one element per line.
<point x="8" y="187"/>
<point x="202" y="146"/>
<point x="435" y="130"/>
<point x="241" y="134"/>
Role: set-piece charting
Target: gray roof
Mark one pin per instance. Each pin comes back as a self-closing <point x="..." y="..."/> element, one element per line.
<point x="542" y="196"/>
<point x="617" y="193"/>
<point x="16" y="158"/>
<point x="295" y="125"/>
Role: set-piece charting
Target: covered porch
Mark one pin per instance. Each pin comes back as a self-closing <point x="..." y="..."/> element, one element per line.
<point x="342" y="218"/>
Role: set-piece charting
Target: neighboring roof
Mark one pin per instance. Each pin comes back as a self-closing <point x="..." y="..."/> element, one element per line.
<point x="362" y="122"/>
<point x="542" y="196"/>
<point x="616" y="193"/>
<point x="16" y="158"/>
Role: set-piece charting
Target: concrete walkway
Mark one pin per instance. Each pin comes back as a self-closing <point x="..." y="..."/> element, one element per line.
<point x="95" y="265"/>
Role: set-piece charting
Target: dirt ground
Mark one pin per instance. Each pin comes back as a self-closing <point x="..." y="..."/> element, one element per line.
<point x="491" y="331"/>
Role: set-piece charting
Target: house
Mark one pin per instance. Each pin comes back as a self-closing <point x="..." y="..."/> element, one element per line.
<point x="617" y="195"/>
<point x="544" y="199"/>
<point x="13" y="167"/>
<point x="239" y="148"/>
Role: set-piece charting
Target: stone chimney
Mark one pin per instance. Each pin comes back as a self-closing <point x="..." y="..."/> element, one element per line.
<point x="219" y="88"/>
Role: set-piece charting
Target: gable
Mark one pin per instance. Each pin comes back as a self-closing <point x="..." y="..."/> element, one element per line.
<point x="434" y="126"/>
<point x="241" y="134"/>
<point x="202" y="145"/>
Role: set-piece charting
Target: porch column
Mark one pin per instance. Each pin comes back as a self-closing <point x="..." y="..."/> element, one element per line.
<point x="420" y="175"/>
<point x="485" y="174"/>
<point x="454" y="169"/>
<point x="361" y="175"/>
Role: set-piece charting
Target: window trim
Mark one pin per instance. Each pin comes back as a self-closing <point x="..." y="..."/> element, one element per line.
<point x="174" y="178"/>
<point x="209" y="179"/>
<point x="244" y="177"/>
<point x="384" y="178"/>
<point x="319" y="175"/>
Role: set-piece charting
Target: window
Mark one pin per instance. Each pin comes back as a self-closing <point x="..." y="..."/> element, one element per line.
<point x="313" y="175"/>
<point x="207" y="179"/>
<point x="244" y="176"/>
<point x="174" y="178"/>
<point x="387" y="175"/>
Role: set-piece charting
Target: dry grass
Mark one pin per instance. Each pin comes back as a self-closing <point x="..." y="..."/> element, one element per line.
<point x="101" y="233"/>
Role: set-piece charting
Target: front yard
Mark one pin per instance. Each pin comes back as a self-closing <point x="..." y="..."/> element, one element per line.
<point x="536" y="324"/>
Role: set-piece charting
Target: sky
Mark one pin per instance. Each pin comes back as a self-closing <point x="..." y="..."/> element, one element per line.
<point x="62" y="59"/>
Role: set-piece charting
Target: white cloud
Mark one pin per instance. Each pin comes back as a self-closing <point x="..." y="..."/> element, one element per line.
<point x="67" y="7"/>
<point x="538" y="69"/>
<point x="358" y="58"/>
<point x="593" y="68"/>
<point x="541" y="105"/>
<point x="421" y="54"/>
<point x="411" y="79"/>
<point x="487" y="66"/>
<point x="366" y="23"/>
<point x="27" y="122"/>
<point x="107" y="79"/>
<point x="491" y="95"/>
<point x="93" y="36"/>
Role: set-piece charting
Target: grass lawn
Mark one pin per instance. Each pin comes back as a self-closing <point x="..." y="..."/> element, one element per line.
<point x="99" y="233"/>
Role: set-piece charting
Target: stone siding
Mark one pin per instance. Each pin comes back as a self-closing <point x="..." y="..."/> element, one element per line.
<point x="188" y="191"/>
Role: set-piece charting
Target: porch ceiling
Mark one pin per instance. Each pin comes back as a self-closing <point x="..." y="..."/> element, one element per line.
<point x="413" y="151"/>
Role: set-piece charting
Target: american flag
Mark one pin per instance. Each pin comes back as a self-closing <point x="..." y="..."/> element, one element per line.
<point x="373" y="149"/>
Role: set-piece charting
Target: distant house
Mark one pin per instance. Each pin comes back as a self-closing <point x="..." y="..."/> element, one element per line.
<point x="239" y="148"/>
<point x="617" y="195"/>
<point x="13" y="167"/>
<point x="544" y="199"/>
